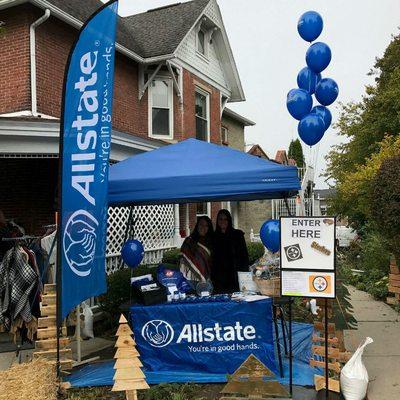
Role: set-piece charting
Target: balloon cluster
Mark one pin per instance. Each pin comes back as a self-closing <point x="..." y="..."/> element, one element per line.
<point x="313" y="121"/>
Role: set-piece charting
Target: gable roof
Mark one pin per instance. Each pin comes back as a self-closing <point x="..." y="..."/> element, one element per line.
<point x="258" y="151"/>
<point x="161" y="30"/>
<point x="149" y="37"/>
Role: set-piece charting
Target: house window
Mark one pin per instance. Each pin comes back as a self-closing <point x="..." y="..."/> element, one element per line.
<point x="202" y="115"/>
<point x="161" y="108"/>
<point x="224" y="135"/>
<point x="201" y="42"/>
<point x="203" y="209"/>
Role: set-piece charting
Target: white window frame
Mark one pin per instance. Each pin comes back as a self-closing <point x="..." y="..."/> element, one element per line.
<point x="208" y="211"/>
<point x="224" y="136"/>
<point x="207" y="95"/>
<point x="207" y="36"/>
<point x="171" y="108"/>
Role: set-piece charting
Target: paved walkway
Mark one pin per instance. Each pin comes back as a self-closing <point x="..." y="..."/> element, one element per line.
<point x="88" y="347"/>
<point x="382" y="358"/>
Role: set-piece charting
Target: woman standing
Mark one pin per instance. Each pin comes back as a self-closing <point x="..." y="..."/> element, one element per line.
<point x="230" y="254"/>
<point x="196" y="252"/>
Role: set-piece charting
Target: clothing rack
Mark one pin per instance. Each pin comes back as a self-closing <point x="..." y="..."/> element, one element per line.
<point x="20" y="238"/>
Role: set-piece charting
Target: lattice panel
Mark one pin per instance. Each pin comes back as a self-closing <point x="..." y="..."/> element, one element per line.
<point x="154" y="227"/>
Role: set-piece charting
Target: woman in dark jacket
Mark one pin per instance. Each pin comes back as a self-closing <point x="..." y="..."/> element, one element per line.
<point x="230" y="254"/>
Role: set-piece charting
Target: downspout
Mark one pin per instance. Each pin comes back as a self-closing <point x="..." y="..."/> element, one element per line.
<point x="32" y="45"/>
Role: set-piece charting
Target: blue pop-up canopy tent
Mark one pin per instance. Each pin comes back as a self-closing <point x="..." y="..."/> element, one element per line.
<point x="197" y="171"/>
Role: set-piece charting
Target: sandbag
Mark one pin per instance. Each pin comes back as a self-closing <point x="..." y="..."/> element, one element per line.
<point x="354" y="375"/>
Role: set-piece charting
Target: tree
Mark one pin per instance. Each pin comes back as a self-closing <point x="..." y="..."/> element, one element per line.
<point x="365" y="124"/>
<point x="385" y="202"/>
<point x="296" y="152"/>
<point x="370" y="127"/>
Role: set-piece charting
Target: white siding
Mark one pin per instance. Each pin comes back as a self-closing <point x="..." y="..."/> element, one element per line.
<point x="212" y="67"/>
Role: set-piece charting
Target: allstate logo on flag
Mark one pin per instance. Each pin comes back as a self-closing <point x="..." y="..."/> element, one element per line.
<point x="79" y="242"/>
<point x="158" y="333"/>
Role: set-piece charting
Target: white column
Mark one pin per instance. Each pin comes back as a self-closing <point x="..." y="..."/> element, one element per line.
<point x="177" y="235"/>
<point x="187" y="220"/>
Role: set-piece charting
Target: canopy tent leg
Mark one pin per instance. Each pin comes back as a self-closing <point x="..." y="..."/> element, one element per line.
<point x="129" y="230"/>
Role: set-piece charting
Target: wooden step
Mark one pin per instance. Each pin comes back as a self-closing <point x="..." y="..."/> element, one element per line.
<point x="48" y="311"/>
<point x="49" y="299"/>
<point x="344" y="356"/>
<point x="320" y="326"/>
<point x="50" y="344"/>
<point x="321" y="339"/>
<point x="52" y="354"/>
<point x="50" y="333"/>
<point x="49" y="288"/>
<point x="394" y="277"/>
<point x="321" y="364"/>
<point x="319" y="382"/>
<point x="47" y="322"/>
<point x="320" y="351"/>
<point x="393" y="289"/>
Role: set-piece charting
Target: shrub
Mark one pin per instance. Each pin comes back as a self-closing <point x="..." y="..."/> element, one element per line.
<point x="119" y="290"/>
<point x="171" y="256"/>
<point x="385" y="201"/>
<point x="255" y="250"/>
<point x="371" y="255"/>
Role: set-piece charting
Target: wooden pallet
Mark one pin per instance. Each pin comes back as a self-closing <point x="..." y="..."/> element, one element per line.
<point x="46" y="343"/>
<point x="394" y="283"/>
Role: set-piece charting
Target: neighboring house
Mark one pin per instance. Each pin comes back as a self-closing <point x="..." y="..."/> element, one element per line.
<point x="321" y="197"/>
<point x="232" y="129"/>
<point x="174" y="75"/>
<point x="233" y="135"/>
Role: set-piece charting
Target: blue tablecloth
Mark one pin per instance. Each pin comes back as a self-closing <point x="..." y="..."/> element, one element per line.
<point x="208" y="337"/>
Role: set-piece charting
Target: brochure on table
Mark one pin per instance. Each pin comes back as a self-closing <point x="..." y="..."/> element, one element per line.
<point x="308" y="257"/>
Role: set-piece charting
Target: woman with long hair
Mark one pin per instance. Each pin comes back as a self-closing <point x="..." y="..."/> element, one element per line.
<point x="230" y="254"/>
<point x="196" y="251"/>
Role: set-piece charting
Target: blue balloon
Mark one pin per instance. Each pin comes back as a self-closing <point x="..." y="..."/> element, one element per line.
<point x="310" y="26"/>
<point x="308" y="80"/>
<point x="311" y="129"/>
<point x="327" y="91"/>
<point x="324" y="113"/>
<point x="270" y="234"/>
<point x="318" y="57"/>
<point x="132" y="253"/>
<point x="298" y="103"/>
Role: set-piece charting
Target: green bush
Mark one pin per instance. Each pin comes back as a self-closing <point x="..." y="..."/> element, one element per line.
<point x="171" y="257"/>
<point x="370" y="255"/>
<point x="119" y="290"/>
<point x="255" y="250"/>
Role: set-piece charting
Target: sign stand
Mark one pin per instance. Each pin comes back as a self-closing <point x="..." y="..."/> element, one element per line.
<point x="307" y="269"/>
<point x="290" y="349"/>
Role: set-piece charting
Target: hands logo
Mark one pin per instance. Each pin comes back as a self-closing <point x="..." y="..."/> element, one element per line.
<point x="80" y="242"/>
<point x="158" y="333"/>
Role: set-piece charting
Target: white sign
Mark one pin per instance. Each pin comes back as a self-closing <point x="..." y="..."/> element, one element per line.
<point x="308" y="284"/>
<point x="308" y="243"/>
<point x="308" y="256"/>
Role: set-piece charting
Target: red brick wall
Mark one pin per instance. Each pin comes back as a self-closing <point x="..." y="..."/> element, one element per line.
<point x="14" y="61"/>
<point x="54" y="40"/>
<point x="190" y="81"/>
<point x="27" y="197"/>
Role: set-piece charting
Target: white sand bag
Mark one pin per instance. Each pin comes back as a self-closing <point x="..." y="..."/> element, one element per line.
<point x="87" y="328"/>
<point x="354" y="375"/>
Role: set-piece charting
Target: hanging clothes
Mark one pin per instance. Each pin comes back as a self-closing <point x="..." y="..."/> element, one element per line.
<point x="17" y="281"/>
<point x="49" y="245"/>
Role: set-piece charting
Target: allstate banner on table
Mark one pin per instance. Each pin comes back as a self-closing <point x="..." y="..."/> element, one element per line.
<point x="86" y="144"/>
<point x="213" y="337"/>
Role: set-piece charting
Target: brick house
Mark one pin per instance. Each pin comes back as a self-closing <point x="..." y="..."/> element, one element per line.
<point x="174" y="75"/>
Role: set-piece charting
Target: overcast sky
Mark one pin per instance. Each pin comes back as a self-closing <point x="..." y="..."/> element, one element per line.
<point x="269" y="53"/>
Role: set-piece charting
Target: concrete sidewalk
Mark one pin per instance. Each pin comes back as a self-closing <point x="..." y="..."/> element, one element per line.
<point x="88" y="347"/>
<point x="382" y="358"/>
